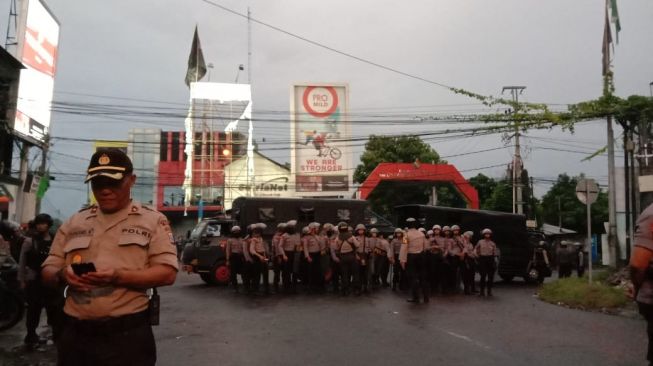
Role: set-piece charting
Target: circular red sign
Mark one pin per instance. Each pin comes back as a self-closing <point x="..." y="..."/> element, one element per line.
<point x="309" y="108"/>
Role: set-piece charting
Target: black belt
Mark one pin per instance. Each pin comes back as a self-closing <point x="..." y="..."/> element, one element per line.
<point x="110" y="325"/>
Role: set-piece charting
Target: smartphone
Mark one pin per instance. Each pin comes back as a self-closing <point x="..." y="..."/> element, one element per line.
<point x="81" y="268"/>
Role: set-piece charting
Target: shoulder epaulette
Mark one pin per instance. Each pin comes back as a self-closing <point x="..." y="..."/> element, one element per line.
<point x="91" y="207"/>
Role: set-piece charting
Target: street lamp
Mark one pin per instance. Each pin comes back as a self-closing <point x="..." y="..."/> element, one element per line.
<point x="650" y="88"/>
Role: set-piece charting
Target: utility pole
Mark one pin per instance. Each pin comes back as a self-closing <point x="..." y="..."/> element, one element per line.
<point x="517" y="185"/>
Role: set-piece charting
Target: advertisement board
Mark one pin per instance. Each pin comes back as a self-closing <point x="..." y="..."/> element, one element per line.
<point x="37" y="50"/>
<point x="321" y="156"/>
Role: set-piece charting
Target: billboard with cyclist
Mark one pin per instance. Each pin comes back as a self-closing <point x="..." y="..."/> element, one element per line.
<point x="321" y="157"/>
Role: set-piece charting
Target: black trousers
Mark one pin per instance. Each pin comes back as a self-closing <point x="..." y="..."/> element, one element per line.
<point x="468" y="271"/>
<point x="40" y="297"/>
<point x="315" y="277"/>
<point x="237" y="266"/>
<point x="416" y="270"/>
<point x="277" y="267"/>
<point x="564" y="270"/>
<point x="381" y="268"/>
<point x="129" y="344"/>
<point x="647" y="312"/>
<point x="452" y="273"/>
<point x="349" y="271"/>
<point x="363" y="270"/>
<point x="287" y="276"/>
<point x="260" y="270"/>
<point x="436" y="274"/>
<point x="398" y="274"/>
<point x="336" y="276"/>
<point x="486" y="268"/>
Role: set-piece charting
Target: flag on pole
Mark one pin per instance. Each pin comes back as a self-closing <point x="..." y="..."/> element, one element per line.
<point x="615" y="18"/>
<point x="607" y="41"/>
<point x="196" y="66"/>
<point x="44" y="184"/>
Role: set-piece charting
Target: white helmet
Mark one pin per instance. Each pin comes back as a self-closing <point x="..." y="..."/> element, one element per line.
<point x="437" y="227"/>
<point x="235" y="229"/>
<point x="430" y="232"/>
<point x="360" y="227"/>
<point x="455" y="227"/>
<point x="486" y="231"/>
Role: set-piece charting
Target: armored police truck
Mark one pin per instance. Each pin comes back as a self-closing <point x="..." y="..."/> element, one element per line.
<point x="515" y="241"/>
<point x="205" y="253"/>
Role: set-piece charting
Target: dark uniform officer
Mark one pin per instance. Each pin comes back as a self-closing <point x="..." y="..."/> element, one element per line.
<point x="277" y="263"/>
<point x="565" y="259"/>
<point x="641" y="267"/>
<point x="237" y="258"/>
<point x="289" y="241"/>
<point x="33" y="253"/>
<point x="260" y="255"/>
<point x="312" y="254"/>
<point x="486" y="251"/>
<point x="346" y="247"/>
<point x="412" y="260"/>
<point x="398" y="273"/>
<point x="107" y="321"/>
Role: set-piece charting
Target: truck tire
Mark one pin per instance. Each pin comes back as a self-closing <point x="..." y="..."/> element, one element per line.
<point x="220" y="273"/>
<point x="506" y="277"/>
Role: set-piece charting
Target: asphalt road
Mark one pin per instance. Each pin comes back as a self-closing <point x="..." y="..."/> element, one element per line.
<point x="203" y="325"/>
<point x="208" y="326"/>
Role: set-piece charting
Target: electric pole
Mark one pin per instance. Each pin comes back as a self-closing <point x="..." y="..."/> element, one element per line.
<point x="517" y="185"/>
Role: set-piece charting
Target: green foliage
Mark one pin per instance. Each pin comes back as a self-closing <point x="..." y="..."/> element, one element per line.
<point x="484" y="186"/>
<point x="573" y="212"/>
<point x="394" y="149"/>
<point x="578" y="293"/>
<point x="402" y="149"/>
<point x="501" y="197"/>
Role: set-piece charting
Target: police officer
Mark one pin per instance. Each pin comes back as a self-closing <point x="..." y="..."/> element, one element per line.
<point x="382" y="255"/>
<point x="412" y="261"/>
<point x="336" y="272"/>
<point x="398" y="273"/>
<point x="437" y="246"/>
<point x="486" y="250"/>
<point x="33" y="253"/>
<point x="468" y="263"/>
<point x="237" y="257"/>
<point x="325" y="253"/>
<point x="277" y="263"/>
<point x="312" y="256"/>
<point x="131" y="246"/>
<point x="260" y="254"/>
<point x="641" y="272"/>
<point x="289" y="241"/>
<point x="365" y="266"/>
<point x="565" y="259"/>
<point x="346" y="248"/>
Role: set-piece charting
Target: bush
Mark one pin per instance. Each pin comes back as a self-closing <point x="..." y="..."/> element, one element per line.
<point x="578" y="293"/>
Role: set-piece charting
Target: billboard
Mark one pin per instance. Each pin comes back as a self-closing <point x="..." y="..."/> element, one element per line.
<point x="37" y="50"/>
<point x="321" y="156"/>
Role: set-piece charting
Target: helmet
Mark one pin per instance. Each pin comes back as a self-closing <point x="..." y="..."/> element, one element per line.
<point x="235" y="229"/>
<point x="542" y="243"/>
<point x="327" y="226"/>
<point x="486" y="231"/>
<point x="314" y="225"/>
<point x="305" y="230"/>
<point x="399" y="231"/>
<point x="411" y="219"/>
<point x="343" y="225"/>
<point x="437" y="227"/>
<point x="260" y="225"/>
<point x="360" y="227"/>
<point x="291" y="223"/>
<point x="455" y="227"/>
<point x="430" y="232"/>
<point x="43" y="218"/>
<point x="468" y="234"/>
<point x="281" y="225"/>
<point x="374" y="231"/>
<point x="390" y="237"/>
<point x="446" y="228"/>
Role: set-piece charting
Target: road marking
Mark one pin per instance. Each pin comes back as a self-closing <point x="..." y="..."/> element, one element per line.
<point x="467" y="339"/>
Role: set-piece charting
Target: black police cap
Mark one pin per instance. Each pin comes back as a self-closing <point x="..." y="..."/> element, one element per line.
<point x="112" y="163"/>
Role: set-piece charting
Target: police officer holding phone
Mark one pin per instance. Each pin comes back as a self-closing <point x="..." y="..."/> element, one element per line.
<point x="124" y="248"/>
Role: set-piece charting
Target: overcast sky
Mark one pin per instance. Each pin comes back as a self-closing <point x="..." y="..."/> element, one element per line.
<point x="139" y="50"/>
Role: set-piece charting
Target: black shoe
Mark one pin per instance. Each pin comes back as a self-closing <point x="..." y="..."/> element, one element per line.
<point x="416" y="301"/>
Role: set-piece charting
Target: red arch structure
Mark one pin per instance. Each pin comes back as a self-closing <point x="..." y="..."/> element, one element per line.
<point x="416" y="172"/>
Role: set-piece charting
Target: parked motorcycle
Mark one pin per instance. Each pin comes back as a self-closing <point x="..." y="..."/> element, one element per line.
<point x="12" y="303"/>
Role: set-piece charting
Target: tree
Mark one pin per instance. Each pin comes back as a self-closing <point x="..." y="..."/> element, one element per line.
<point x="402" y="149"/>
<point x="501" y="197"/>
<point x="572" y="212"/>
<point x="484" y="186"/>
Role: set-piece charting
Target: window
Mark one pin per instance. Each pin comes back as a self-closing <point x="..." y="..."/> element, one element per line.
<point x="175" y="147"/>
<point x="266" y="214"/>
<point x="306" y="214"/>
<point x="163" y="147"/>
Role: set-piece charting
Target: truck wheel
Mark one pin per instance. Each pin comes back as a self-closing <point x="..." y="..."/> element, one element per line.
<point x="506" y="277"/>
<point x="207" y="278"/>
<point x="220" y="273"/>
<point x="533" y="276"/>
